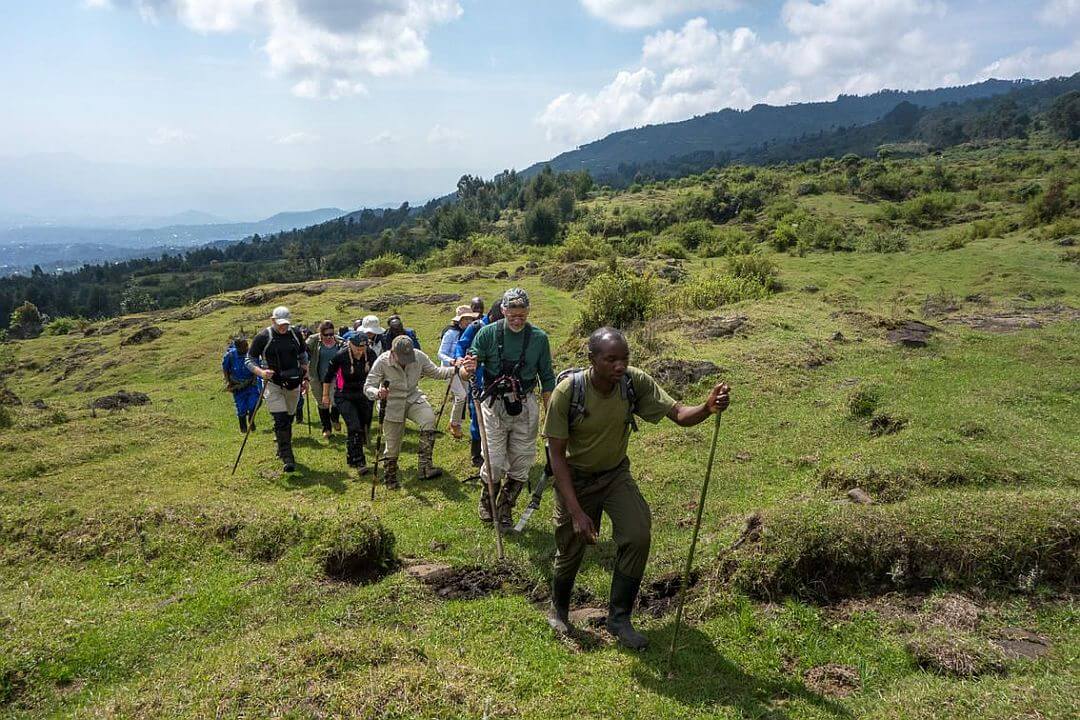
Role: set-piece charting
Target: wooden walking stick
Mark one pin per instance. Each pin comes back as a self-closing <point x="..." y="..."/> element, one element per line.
<point x="693" y="546"/>
<point x="445" y="397"/>
<point x="307" y="407"/>
<point x="487" y="464"/>
<point x="378" y="442"/>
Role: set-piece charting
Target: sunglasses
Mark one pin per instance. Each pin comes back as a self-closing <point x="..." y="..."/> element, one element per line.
<point x="327" y="334"/>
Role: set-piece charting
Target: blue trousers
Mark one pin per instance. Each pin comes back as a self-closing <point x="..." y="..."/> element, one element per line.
<point x="246" y="400"/>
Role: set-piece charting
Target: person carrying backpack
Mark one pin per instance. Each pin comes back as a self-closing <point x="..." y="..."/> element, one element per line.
<point x="447" y="343"/>
<point x="516" y="357"/>
<point x="344" y="378"/>
<point x="321" y="349"/>
<point x="241" y="382"/>
<point x="462" y="349"/>
<point x="395" y="327"/>
<point x="590" y="418"/>
<point x="282" y="350"/>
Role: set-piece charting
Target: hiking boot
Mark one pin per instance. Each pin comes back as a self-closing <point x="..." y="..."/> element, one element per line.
<point x="477" y="456"/>
<point x="455" y="431"/>
<point x="624" y="592"/>
<point x="504" y="503"/>
<point x="390" y="473"/>
<point x="243" y="424"/>
<point x="425" y="468"/>
<point x="251" y="422"/>
<point x="337" y="426"/>
<point x="326" y="434"/>
<point x="363" y="470"/>
<point x="354" y="451"/>
<point x="484" y="506"/>
<point x="299" y="417"/>
<point x="284" y="449"/>
<point x="559" y="611"/>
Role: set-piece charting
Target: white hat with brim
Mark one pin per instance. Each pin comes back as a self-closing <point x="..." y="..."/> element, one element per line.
<point x="282" y="316"/>
<point x="370" y="324"/>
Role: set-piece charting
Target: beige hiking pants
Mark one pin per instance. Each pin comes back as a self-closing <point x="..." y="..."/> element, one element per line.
<point x="511" y="439"/>
<point x="419" y="412"/>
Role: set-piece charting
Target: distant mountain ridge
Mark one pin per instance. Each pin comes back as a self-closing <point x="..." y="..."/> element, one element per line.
<point x="730" y="132"/>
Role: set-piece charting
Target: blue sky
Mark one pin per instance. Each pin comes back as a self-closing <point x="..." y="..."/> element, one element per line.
<point x="474" y="85"/>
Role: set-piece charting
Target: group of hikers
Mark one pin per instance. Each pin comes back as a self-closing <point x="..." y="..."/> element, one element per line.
<point x="496" y="364"/>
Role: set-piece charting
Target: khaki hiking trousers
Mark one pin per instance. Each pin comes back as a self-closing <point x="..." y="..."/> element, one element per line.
<point x="419" y="412"/>
<point x="511" y="439"/>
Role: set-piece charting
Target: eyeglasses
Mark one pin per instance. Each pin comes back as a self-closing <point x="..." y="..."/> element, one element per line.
<point x="329" y="334"/>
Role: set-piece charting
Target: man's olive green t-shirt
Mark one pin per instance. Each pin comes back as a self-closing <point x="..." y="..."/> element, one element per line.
<point x="598" y="440"/>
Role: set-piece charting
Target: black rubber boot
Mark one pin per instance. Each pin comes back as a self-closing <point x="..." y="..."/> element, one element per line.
<point x="354" y="452"/>
<point x="251" y="422"/>
<point x="243" y="423"/>
<point x="477" y="456"/>
<point x="624" y="592"/>
<point x="483" y="508"/>
<point x="284" y="446"/>
<point x="559" y="611"/>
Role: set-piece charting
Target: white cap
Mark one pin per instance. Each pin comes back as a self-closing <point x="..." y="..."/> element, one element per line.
<point x="370" y="324"/>
<point x="282" y="316"/>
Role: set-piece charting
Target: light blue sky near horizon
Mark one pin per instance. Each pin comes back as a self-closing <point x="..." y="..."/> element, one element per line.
<point x="504" y="84"/>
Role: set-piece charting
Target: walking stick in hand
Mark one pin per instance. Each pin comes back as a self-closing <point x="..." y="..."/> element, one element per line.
<point x="445" y="397"/>
<point x="378" y="442"/>
<point x="490" y="479"/>
<point x="693" y="546"/>
<point x="251" y="420"/>
<point x="307" y="408"/>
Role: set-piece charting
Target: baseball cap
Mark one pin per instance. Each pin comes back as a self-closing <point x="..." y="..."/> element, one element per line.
<point x="515" y="298"/>
<point x="403" y="349"/>
<point x="282" y="316"/>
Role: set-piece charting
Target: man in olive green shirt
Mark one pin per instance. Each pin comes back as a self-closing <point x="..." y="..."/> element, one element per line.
<point x="592" y="473"/>
<point x="516" y="358"/>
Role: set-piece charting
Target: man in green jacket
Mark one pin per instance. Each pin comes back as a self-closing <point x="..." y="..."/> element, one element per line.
<point x="588" y="429"/>
<point x="515" y="357"/>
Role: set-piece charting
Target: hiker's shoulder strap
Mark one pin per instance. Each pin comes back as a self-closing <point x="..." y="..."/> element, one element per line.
<point x="628" y="394"/>
<point x="524" y="345"/>
<point x="577" y="397"/>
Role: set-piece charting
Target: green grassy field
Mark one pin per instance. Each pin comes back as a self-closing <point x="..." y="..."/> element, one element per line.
<point x="126" y="590"/>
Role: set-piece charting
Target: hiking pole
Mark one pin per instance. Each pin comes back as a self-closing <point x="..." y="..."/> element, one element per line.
<point x="445" y="397"/>
<point x="490" y="478"/>
<point x="537" y="494"/>
<point x="378" y="442"/>
<point x="248" y="432"/>
<point x="307" y="408"/>
<point x="693" y="546"/>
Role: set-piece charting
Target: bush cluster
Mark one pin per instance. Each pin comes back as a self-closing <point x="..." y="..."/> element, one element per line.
<point x="617" y="298"/>
<point x="384" y="265"/>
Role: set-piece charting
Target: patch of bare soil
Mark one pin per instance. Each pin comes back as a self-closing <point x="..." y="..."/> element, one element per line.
<point x="1019" y="643"/>
<point x="466" y="583"/>
<point x="681" y="374"/>
<point x="392" y="302"/>
<point x="469" y="276"/>
<point x="660" y="596"/>
<point x="200" y="309"/>
<point x="258" y="296"/>
<point x="8" y="397"/>
<point x="142" y="336"/>
<point x="956" y="657"/>
<point x="570" y="276"/>
<point x="120" y="400"/>
<point x="1015" y="320"/>
<point x="833" y="680"/>
<point x="719" y="326"/>
<point x="910" y="333"/>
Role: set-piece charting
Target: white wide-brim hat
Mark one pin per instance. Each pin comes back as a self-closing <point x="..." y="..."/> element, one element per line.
<point x="370" y="324"/>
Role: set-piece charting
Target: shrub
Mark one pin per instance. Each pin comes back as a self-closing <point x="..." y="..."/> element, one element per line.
<point x="579" y="245"/>
<point x="1048" y="205"/>
<point x="26" y="321"/>
<point x="477" y="250"/>
<point x="60" y="326"/>
<point x="888" y="241"/>
<point x="384" y="265"/>
<point x="755" y="267"/>
<point x="727" y="241"/>
<point x="783" y="236"/>
<point x="542" y="223"/>
<point x="707" y="293"/>
<point x="669" y="248"/>
<point x="864" y="401"/>
<point x="617" y="298"/>
<point x="693" y="234"/>
<point x="953" y="240"/>
<point x="355" y="548"/>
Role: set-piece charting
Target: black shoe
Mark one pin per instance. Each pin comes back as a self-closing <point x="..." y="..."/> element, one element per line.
<point x="243" y="424"/>
<point x="624" y="592"/>
<point x="251" y="422"/>
<point x="477" y="457"/>
<point x="559" y="611"/>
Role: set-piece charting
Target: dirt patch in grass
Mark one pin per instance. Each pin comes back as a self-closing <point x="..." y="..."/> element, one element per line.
<point x="468" y="583"/>
<point x="910" y="333"/>
<point x="354" y="547"/>
<point x="1015" y="320"/>
<point x="143" y="336"/>
<point x="682" y="374"/>
<point x="120" y="400"/>
<point x="833" y="680"/>
<point x="570" y="276"/>
<point x="660" y="596"/>
<point x="720" y="326"/>
<point x="891" y="484"/>
<point x="952" y="656"/>
<point x="393" y="302"/>
<point x="822" y="551"/>
<point x="1016" y="643"/>
<point x="200" y="309"/>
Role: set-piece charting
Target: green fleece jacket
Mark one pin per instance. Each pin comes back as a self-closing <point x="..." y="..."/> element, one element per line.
<point x="537" y="365"/>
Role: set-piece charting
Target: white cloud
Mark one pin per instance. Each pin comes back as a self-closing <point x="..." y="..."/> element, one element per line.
<point x="166" y="135"/>
<point x="98" y="4"/>
<point x="1030" y="63"/>
<point x="297" y="138"/>
<point x="647" y="13"/>
<point x="832" y="47"/>
<point x="442" y="135"/>
<point x="324" y="47"/>
<point x="1055" y="11"/>
<point x="384" y="138"/>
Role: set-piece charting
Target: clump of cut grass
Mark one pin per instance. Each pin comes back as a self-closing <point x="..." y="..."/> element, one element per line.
<point x="992" y="539"/>
<point x="956" y="656"/>
<point x="266" y="538"/>
<point x="864" y="401"/>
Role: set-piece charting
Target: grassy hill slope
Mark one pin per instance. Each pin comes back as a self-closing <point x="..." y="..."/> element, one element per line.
<point x="140" y="578"/>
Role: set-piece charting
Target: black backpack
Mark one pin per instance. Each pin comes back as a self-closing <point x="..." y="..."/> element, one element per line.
<point x="577" y="396"/>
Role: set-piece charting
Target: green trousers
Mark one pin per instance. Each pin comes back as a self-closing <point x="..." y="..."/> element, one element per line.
<point x="615" y="493"/>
